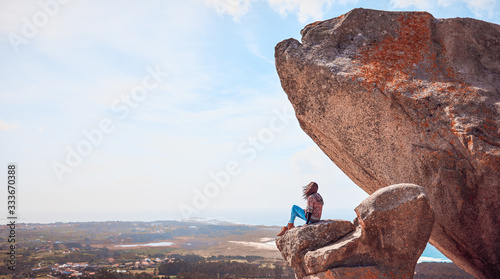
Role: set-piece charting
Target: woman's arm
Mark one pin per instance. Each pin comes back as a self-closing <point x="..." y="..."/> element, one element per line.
<point x="308" y="217"/>
<point x="309" y="208"/>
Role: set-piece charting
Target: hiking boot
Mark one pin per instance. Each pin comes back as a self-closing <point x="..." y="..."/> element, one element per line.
<point x="283" y="231"/>
<point x="285" y="228"/>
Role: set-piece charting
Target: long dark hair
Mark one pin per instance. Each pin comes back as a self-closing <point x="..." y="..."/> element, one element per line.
<point x="310" y="189"/>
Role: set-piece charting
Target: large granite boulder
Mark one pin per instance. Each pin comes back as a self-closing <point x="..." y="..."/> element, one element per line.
<point x="402" y="97"/>
<point x="393" y="227"/>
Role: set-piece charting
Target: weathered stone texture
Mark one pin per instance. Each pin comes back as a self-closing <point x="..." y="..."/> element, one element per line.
<point x="298" y="241"/>
<point x="362" y="272"/>
<point x="393" y="227"/>
<point x="402" y="97"/>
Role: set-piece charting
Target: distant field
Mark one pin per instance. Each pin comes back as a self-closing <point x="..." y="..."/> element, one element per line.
<point x="40" y="247"/>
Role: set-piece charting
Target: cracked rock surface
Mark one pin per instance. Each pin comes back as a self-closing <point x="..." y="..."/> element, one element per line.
<point x="402" y="97"/>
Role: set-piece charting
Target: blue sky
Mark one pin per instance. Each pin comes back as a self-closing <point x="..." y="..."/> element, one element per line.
<point x="147" y="110"/>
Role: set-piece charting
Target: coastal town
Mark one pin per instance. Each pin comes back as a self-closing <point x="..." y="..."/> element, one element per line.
<point x="88" y="270"/>
<point x="149" y="249"/>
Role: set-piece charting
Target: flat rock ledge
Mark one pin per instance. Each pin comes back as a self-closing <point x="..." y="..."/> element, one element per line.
<point x="300" y="240"/>
<point x="388" y="236"/>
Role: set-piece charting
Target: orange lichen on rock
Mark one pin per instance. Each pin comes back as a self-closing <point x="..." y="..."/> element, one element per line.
<point x="313" y="24"/>
<point x="409" y="64"/>
<point x="392" y="62"/>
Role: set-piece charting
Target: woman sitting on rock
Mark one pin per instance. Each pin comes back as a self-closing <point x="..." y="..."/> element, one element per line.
<point x="312" y="213"/>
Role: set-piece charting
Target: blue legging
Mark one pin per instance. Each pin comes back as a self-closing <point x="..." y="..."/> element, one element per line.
<point x="297" y="212"/>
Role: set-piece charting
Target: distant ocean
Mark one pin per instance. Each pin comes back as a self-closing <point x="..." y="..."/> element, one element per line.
<point x="250" y="217"/>
<point x="431" y="254"/>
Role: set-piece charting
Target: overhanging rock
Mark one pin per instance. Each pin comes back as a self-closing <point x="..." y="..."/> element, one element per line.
<point x="402" y="97"/>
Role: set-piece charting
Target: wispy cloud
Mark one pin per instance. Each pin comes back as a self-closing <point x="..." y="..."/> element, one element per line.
<point x="306" y="10"/>
<point x="419" y="4"/>
<point x="234" y="8"/>
<point x="255" y="50"/>
<point x="485" y="9"/>
<point x="5" y="126"/>
<point x="311" y="10"/>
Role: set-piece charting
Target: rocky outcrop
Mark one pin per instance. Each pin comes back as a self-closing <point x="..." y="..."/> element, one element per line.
<point x="393" y="227"/>
<point x="298" y="241"/>
<point x="396" y="97"/>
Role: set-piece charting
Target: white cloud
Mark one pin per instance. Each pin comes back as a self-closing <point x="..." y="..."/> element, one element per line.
<point x="482" y="8"/>
<point x="419" y="4"/>
<point x="5" y="126"/>
<point x="306" y="9"/>
<point x="234" y="8"/>
<point x="479" y="8"/>
<point x="445" y="3"/>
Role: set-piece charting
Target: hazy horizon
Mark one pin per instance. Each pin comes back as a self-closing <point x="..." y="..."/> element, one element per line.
<point x="430" y="254"/>
<point x="262" y="217"/>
